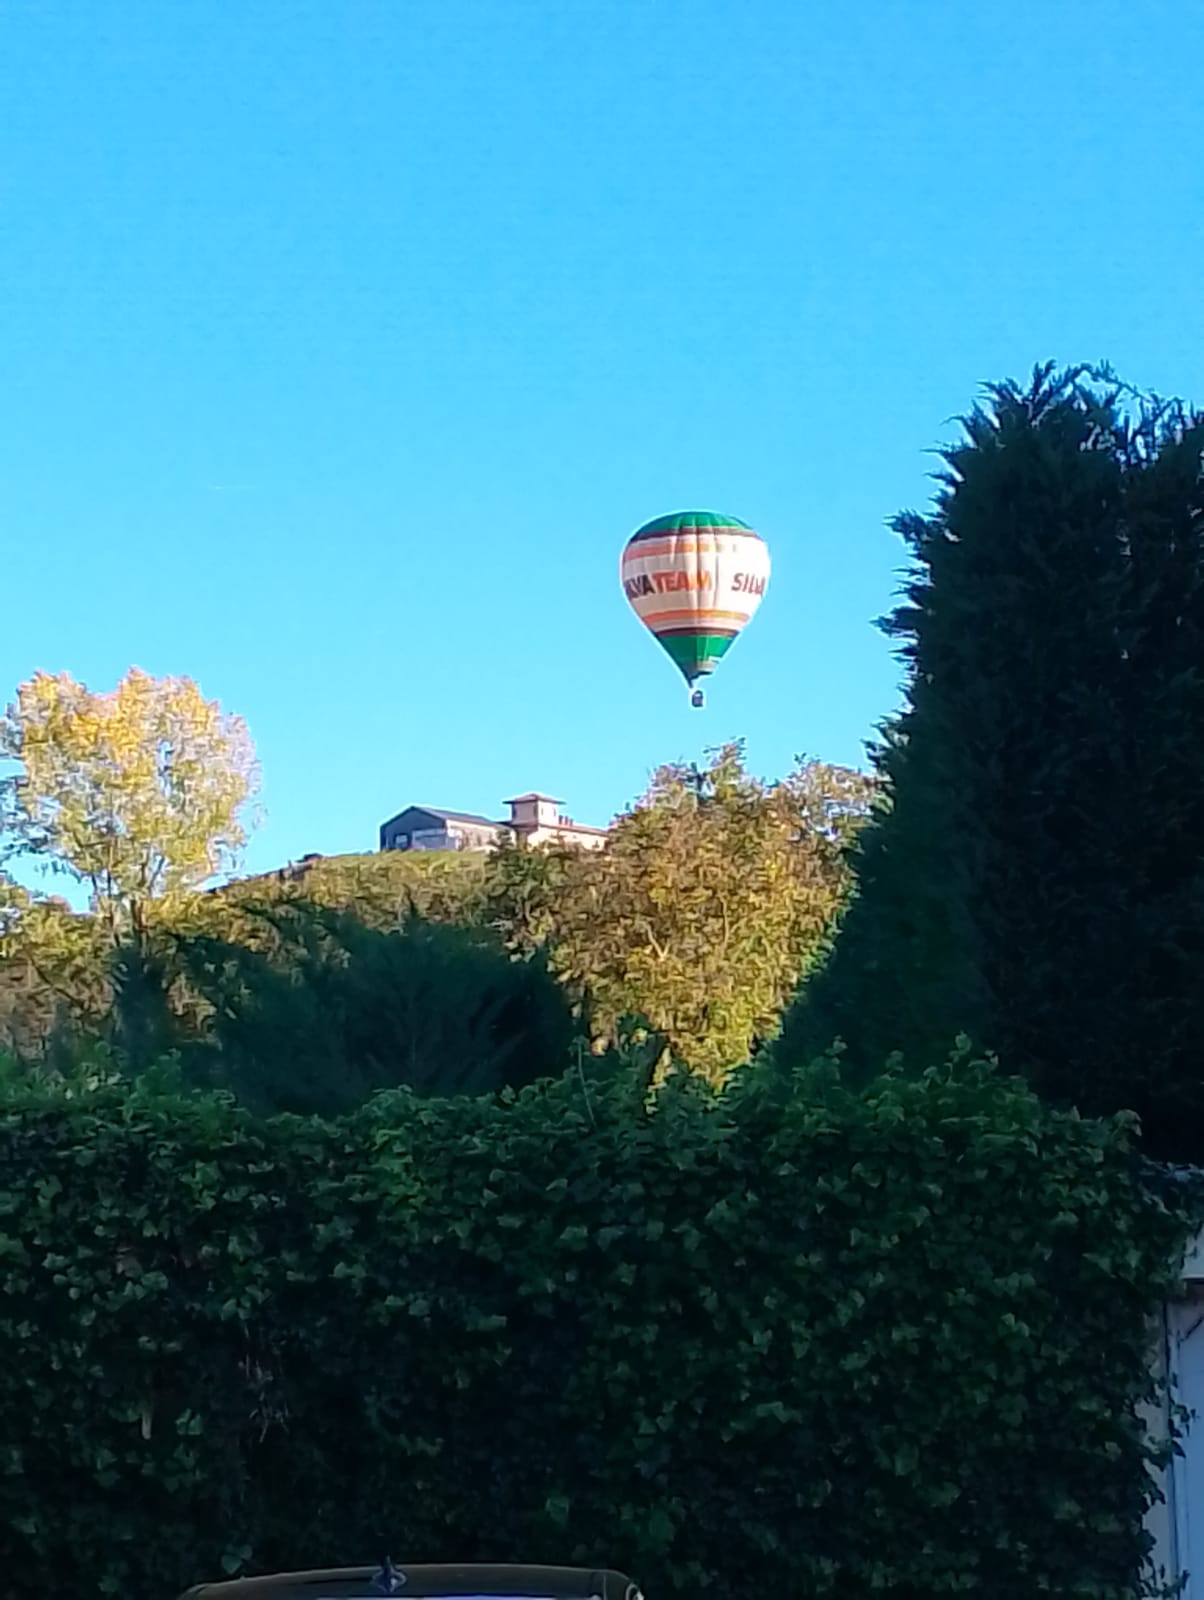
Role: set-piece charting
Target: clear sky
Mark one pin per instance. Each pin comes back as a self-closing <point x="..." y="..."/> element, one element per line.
<point x="342" y="345"/>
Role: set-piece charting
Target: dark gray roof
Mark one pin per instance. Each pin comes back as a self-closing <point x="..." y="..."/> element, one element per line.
<point x="462" y="816"/>
<point x="445" y="816"/>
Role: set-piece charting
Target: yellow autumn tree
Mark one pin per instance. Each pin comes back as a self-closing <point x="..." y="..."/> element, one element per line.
<point x="54" y="979"/>
<point x="141" y="794"/>
<point x="710" y="900"/>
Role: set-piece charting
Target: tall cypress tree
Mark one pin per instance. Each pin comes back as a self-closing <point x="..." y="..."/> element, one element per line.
<point x="1035" y="879"/>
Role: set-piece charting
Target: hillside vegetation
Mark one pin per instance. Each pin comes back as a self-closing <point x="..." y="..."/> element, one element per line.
<point x="711" y="898"/>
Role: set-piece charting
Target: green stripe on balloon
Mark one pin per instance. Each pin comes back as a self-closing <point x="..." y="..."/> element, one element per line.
<point x="695" y="653"/>
<point x="689" y="519"/>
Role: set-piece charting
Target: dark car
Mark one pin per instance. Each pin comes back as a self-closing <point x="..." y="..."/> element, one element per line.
<point x="417" y="1583"/>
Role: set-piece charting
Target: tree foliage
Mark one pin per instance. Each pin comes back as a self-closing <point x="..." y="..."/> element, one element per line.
<point x="527" y="890"/>
<point x="139" y="793"/>
<point x="787" y="1340"/>
<point x="380" y="889"/>
<point x="320" y="1011"/>
<point x="708" y="902"/>
<point x="54" y="976"/>
<point x="1035" y="876"/>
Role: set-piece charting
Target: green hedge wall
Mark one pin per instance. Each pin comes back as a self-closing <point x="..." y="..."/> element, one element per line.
<point x="785" y="1340"/>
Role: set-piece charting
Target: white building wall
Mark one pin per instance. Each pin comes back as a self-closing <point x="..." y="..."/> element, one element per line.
<point x="1176" y="1521"/>
<point x="468" y="836"/>
<point x="587" y="838"/>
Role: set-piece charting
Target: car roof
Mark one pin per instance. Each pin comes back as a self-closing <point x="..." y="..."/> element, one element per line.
<point x="348" y="1583"/>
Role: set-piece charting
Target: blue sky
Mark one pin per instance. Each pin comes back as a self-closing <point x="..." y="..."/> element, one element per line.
<point x="345" y="343"/>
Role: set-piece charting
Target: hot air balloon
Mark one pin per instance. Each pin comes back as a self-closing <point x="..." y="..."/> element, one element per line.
<point x="695" y="579"/>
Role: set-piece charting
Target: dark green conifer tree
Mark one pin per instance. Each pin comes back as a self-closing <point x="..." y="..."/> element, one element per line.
<point x="1036" y="875"/>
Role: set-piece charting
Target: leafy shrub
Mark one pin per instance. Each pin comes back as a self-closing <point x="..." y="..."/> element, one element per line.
<point x="777" y="1340"/>
<point x="380" y="888"/>
<point x="315" y="1011"/>
<point x="56" y="988"/>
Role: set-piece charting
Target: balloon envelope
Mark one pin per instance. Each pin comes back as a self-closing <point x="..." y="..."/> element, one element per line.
<point x="695" y="579"/>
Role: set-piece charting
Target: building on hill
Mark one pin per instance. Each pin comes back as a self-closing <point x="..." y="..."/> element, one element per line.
<point x="534" y="818"/>
<point x="430" y="828"/>
<point x="537" y="819"/>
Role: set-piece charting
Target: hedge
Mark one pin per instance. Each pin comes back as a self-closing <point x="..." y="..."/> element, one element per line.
<point x="781" y="1340"/>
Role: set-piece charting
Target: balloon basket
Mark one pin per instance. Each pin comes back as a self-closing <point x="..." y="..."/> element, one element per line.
<point x="698" y="699"/>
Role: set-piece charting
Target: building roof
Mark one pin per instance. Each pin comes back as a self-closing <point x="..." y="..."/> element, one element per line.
<point x="446" y="816"/>
<point x="562" y="824"/>
<point x="462" y="816"/>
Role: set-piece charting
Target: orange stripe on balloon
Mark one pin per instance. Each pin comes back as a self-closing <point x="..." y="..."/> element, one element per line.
<point x="672" y="547"/>
<point x="700" y="617"/>
<point x="692" y="528"/>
